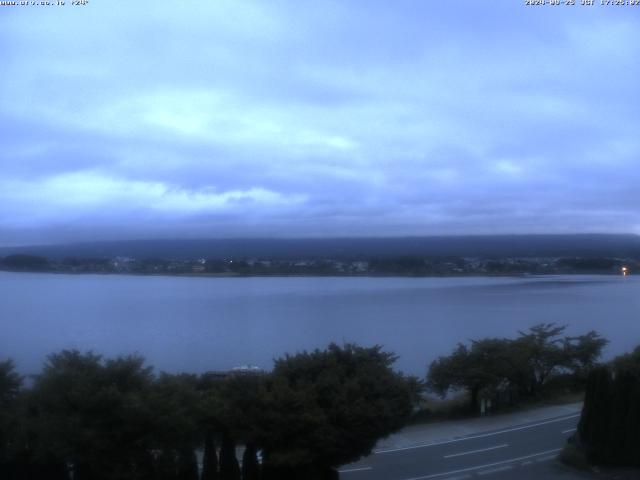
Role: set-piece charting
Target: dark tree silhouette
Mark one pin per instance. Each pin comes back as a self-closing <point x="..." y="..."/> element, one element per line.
<point x="187" y="465"/>
<point x="113" y="419"/>
<point x="229" y="468"/>
<point x="93" y="414"/>
<point x="327" y="408"/>
<point x="22" y="262"/>
<point x="610" y="423"/>
<point x="10" y="385"/>
<point x="210" y="458"/>
<point x="594" y="421"/>
<point x="524" y="364"/>
<point x="480" y="367"/>
<point x="250" y="464"/>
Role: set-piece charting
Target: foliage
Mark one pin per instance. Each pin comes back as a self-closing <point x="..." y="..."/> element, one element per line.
<point x="582" y="265"/>
<point x="596" y="411"/>
<point x="540" y="355"/>
<point x="404" y="265"/>
<point x="482" y="366"/>
<point x="187" y="464"/>
<point x="93" y="414"/>
<point x="329" y="407"/>
<point x="10" y="385"/>
<point x="23" y="262"/>
<point x="210" y="458"/>
<point x="609" y="427"/>
<point x="240" y="401"/>
<point x="250" y="464"/>
<point x="229" y="468"/>
<point x="525" y="364"/>
<point x="176" y="404"/>
<point x="108" y="419"/>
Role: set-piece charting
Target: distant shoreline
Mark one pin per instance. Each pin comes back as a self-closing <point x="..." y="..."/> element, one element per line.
<point x="341" y="266"/>
<point x="328" y="275"/>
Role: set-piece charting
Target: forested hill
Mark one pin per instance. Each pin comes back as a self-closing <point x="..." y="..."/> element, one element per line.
<point x="584" y="245"/>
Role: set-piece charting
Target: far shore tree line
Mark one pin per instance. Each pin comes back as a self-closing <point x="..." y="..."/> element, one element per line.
<point x="85" y="417"/>
<point x="323" y="266"/>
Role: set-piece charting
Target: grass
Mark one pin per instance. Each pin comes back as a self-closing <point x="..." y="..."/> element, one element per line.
<point x="435" y="409"/>
<point x="573" y="456"/>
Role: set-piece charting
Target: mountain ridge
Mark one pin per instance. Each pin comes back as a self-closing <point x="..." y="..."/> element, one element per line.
<point x="535" y="245"/>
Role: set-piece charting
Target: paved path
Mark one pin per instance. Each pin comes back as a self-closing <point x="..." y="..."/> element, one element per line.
<point x="519" y="445"/>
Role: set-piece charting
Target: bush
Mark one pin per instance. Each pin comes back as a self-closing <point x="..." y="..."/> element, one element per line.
<point x="609" y="428"/>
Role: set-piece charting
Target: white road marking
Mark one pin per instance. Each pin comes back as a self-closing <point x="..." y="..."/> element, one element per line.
<point x="476" y="451"/>
<point x="360" y="469"/>
<point x="545" y="459"/>
<point x="473" y="437"/>
<point x="568" y="430"/>
<point x="459" y="477"/>
<point x="488" y="465"/>
<point x="495" y="470"/>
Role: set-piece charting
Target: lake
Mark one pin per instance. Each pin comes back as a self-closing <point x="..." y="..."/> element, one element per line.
<point x="198" y="324"/>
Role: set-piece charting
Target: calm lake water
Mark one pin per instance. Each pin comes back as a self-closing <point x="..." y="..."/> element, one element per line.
<point x="198" y="324"/>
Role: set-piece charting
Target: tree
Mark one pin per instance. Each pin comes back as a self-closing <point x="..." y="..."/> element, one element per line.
<point x="250" y="464"/>
<point x="93" y="414"/>
<point x="483" y="366"/>
<point x="176" y="404"/>
<point x="229" y="468"/>
<point x="582" y="352"/>
<point x="609" y="428"/>
<point x="596" y="410"/>
<point x="166" y="465"/>
<point x="329" y="407"/>
<point x="209" y="458"/>
<point x="623" y="447"/>
<point x="22" y="262"/>
<point x="240" y="403"/>
<point x="187" y="464"/>
<point x="542" y="353"/>
<point x="10" y="385"/>
<point x="417" y="386"/>
<point x="526" y="363"/>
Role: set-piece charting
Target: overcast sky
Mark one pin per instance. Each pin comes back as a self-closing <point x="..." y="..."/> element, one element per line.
<point x="134" y="119"/>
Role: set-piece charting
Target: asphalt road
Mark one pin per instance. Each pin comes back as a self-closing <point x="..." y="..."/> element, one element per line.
<point x="520" y="451"/>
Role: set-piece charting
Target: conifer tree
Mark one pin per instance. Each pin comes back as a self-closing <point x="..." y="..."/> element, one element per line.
<point x="167" y="467"/>
<point x="229" y="468"/>
<point x="596" y="412"/>
<point x="210" y="458"/>
<point x="187" y="465"/>
<point x="250" y="465"/>
<point x="609" y="427"/>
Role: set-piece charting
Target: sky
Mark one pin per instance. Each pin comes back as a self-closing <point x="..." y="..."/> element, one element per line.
<point x="197" y="119"/>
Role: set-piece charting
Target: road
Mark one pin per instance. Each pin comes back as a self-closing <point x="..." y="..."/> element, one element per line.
<point x="519" y="451"/>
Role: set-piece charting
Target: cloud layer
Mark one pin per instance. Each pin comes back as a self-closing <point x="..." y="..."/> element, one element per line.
<point x="308" y="119"/>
